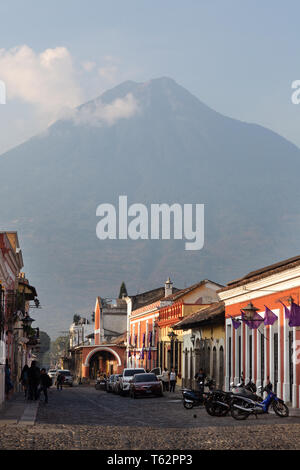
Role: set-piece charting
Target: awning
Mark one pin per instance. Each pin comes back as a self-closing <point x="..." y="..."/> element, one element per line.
<point x="28" y="291"/>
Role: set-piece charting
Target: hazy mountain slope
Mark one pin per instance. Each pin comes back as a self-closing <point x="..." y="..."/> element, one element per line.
<point x="173" y="148"/>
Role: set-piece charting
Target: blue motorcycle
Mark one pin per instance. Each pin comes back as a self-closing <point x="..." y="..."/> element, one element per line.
<point x="242" y="407"/>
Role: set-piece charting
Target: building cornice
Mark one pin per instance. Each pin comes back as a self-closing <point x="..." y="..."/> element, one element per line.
<point x="276" y="283"/>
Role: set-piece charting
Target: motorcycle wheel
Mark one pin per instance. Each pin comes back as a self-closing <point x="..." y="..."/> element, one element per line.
<point x="210" y="408"/>
<point x="188" y="405"/>
<point x="280" y="409"/>
<point x="220" y="411"/>
<point x="236" y="413"/>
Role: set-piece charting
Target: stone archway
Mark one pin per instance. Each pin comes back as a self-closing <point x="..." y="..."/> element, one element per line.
<point x="103" y="359"/>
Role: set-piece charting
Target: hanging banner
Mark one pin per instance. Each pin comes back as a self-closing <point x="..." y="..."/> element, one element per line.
<point x="294" y="315"/>
<point x="149" y="354"/>
<point x="235" y="323"/>
<point x="286" y="311"/>
<point x="269" y="317"/>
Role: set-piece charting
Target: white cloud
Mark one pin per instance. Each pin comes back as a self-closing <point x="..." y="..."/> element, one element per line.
<point x="45" y="80"/>
<point x="108" y="73"/>
<point x="89" y="65"/>
<point x="97" y="114"/>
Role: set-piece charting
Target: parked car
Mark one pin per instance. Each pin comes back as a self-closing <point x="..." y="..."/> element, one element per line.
<point x="145" y="385"/>
<point x="101" y="383"/>
<point x="126" y="377"/>
<point x="52" y="373"/>
<point x="109" y="383"/>
<point x="157" y="371"/>
<point x="116" y="383"/>
<point x="67" y="375"/>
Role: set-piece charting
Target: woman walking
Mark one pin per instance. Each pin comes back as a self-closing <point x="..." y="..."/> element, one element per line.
<point x="172" y="380"/>
<point x="165" y="379"/>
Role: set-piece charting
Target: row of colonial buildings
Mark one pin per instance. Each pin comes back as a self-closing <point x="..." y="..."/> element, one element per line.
<point x="249" y="328"/>
<point x="18" y="340"/>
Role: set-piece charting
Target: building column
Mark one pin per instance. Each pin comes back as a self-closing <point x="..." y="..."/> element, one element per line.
<point x="242" y="351"/>
<point x="294" y="385"/>
<point x="258" y="358"/>
<point x="279" y="323"/>
<point x="286" y="372"/>
<point x="266" y="342"/>
<point x="254" y="371"/>
<point x="271" y="354"/>
<point x="247" y="371"/>
<point x="236" y="357"/>
<point x="227" y="355"/>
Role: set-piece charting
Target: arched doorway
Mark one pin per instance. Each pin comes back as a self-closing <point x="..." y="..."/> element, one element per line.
<point x="103" y="360"/>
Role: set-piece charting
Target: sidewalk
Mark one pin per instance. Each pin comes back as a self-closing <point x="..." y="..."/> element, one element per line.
<point x="18" y="411"/>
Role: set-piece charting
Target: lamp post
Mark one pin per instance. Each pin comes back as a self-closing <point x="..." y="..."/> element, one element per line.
<point x="172" y="337"/>
<point x="250" y="311"/>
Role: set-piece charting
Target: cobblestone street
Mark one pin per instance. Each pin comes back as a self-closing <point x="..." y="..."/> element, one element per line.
<point x="84" y="418"/>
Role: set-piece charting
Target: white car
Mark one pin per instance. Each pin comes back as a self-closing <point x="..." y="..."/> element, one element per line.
<point x="126" y="377"/>
<point x="52" y="373"/>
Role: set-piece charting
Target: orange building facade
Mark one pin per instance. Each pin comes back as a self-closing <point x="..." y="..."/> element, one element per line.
<point x="151" y="340"/>
<point x="270" y="352"/>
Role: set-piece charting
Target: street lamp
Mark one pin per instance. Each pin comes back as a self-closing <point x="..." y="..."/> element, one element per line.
<point x="192" y="338"/>
<point x="250" y="311"/>
<point x="172" y="335"/>
<point x="27" y="321"/>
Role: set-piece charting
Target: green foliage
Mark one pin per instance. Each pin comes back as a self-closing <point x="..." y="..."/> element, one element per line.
<point x="123" y="290"/>
<point x="76" y="319"/>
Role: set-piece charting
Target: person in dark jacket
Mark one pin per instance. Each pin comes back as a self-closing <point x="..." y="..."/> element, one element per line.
<point x="200" y="378"/>
<point x="45" y="382"/>
<point x="8" y="383"/>
<point x="59" y="381"/>
<point x="33" y="380"/>
<point x="25" y="379"/>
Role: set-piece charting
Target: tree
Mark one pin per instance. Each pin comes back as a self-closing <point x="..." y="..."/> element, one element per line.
<point x="44" y="346"/>
<point x="123" y="291"/>
<point x="59" y="348"/>
<point x="76" y="319"/>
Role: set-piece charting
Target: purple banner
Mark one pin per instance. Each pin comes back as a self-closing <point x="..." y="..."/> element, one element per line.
<point x="235" y="323"/>
<point x="269" y="317"/>
<point x="286" y="311"/>
<point x="294" y="315"/>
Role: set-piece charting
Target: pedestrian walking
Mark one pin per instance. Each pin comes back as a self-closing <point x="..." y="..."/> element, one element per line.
<point x="8" y="383"/>
<point x="59" y="381"/>
<point x="45" y="383"/>
<point x="172" y="380"/>
<point x="25" y="380"/>
<point x="165" y="379"/>
<point x="33" y="381"/>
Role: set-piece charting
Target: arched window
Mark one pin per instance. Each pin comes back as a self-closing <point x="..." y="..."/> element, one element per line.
<point x="221" y="367"/>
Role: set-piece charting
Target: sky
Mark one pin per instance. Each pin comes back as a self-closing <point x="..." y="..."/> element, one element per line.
<point x="240" y="58"/>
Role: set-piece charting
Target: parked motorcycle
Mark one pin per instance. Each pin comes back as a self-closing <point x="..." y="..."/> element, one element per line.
<point x="219" y="402"/>
<point x="243" y="407"/>
<point x="193" y="398"/>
